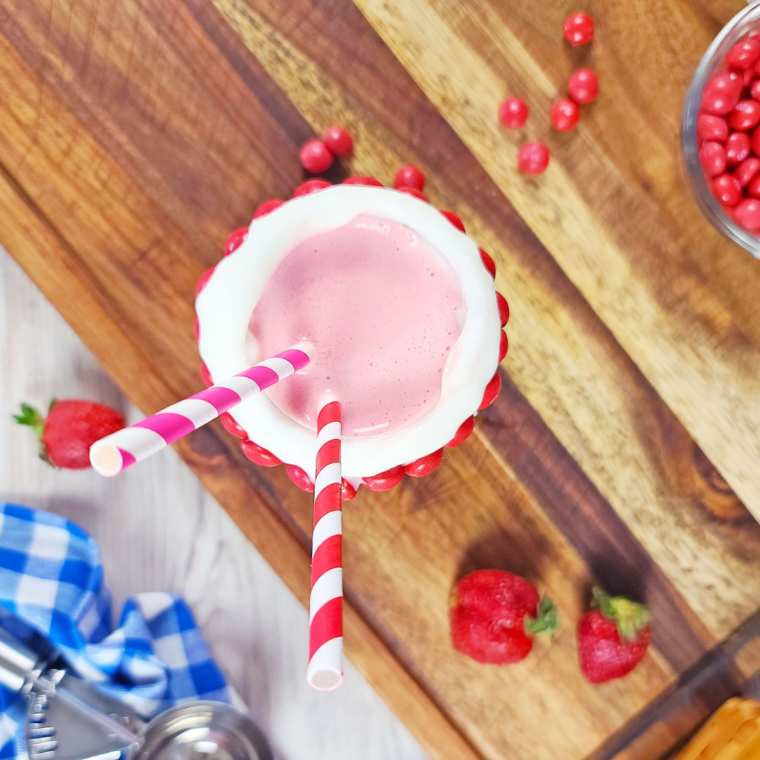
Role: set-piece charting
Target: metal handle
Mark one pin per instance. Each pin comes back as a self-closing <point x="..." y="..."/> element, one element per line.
<point x="19" y="665"/>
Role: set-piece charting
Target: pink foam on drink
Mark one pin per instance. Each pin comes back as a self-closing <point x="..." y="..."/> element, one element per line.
<point x="382" y="309"/>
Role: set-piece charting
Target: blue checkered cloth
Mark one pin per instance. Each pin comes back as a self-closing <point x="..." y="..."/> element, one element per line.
<point x="51" y="584"/>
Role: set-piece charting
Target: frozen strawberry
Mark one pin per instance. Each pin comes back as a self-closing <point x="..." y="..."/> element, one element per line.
<point x="69" y="429"/>
<point x="613" y="637"/>
<point x="494" y="616"/>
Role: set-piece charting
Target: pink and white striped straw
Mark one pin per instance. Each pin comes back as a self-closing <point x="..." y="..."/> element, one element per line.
<point x="325" y="670"/>
<point x="111" y="455"/>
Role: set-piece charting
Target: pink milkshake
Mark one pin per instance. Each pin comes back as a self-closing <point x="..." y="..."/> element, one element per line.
<point x="401" y="316"/>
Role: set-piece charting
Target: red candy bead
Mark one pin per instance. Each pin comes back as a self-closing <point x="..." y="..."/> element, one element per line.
<point x="513" y="113"/>
<point x="462" y="434"/>
<point x="488" y="263"/>
<point x="712" y="156"/>
<point x="747" y="170"/>
<point x="755" y="142"/>
<point x="197" y="330"/>
<point x="753" y="189"/>
<point x="583" y="87"/>
<point x="259" y="455"/>
<point x="203" y="280"/>
<point x="491" y="392"/>
<point x="362" y="180"/>
<point x="454" y="219"/>
<point x="503" y="346"/>
<point x="743" y="54"/>
<point x="235" y="240"/>
<point x="564" y="115"/>
<point x="533" y="158"/>
<point x="424" y="465"/>
<point x="409" y="176"/>
<point x="231" y="426"/>
<point x="578" y="29"/>
<point x="208" y="381"/>
<point x="384" y="481"/>
<point x="721" y="94"/>
<point x="267" y="207"/>
<point x="340" y="143"/>
<point x="503" y="306"/>
<point x="713" y="128"/>
<point x="310" y="186"/>
<point x="315" y="157"/>
<point x="745" y="116"/>
<point x="416" y="193"/>
<point x="737" y="148"/>
<point x="754" y="89"/>
<point x="747" y="214"/>
<point x="347" y="491"/>
<point x="727" y="190"/>
<point x="300" y="478"/>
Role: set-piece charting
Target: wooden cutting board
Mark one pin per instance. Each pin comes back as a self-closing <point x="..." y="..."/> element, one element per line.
<point x="625" y="448"/>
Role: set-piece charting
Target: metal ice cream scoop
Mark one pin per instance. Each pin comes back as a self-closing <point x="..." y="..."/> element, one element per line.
<point x="69" y="719"/>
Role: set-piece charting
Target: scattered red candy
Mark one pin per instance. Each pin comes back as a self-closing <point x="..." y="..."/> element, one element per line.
<point x="425" y="465"/>
<point x="315" y="157"/>
<point x="513" y="113"/>
<point x="384" y="481"/>
<point x="267" y="207"/>
<point x="488" y="263"/>
<point x="409" y="176"/>
<point x="712" y="156"/>
<point x="462" y="434"/>
<point x="737" y="148"/>
<point x="743" y="54"/>
<point x="727" y="190"/>
<point x="747" y="170"/>
<point x="533" y="158"/>
<point x="747" y="214"/>
<point x="745" y="116"/>
<point x="338" y="141"/>
<point x="583" y="87"/>
<point x="578" y="29"/>
<point x="713" y="128"/>
<point x="454" y="219"/>
<point x="310" y="186"/>
<point x="565" y="115"/>
<point x="259" y="455"/>
<point x="235" y="240"/>
<point x="721" y="94"/>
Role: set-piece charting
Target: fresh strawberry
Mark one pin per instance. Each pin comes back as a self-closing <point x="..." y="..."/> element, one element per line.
<point x="613" y="638"/>
<point x="69" y="430"/>
<point x="495" y="614"/>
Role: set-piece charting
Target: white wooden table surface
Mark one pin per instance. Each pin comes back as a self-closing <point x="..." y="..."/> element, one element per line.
<point x="159" y="530"/>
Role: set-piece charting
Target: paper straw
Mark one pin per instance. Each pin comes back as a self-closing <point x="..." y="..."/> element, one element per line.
<point x="325" y="671"/>
<point x="111" y="455"/>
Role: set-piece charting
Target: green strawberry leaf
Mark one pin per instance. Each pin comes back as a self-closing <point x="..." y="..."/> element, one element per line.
<point x="32" y="418"/>
<point x="630" y="617"/>
<point x="546" y="620"/>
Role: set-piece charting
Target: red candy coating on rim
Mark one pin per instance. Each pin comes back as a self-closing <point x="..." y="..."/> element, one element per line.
<point x="564" y="115"/>
<point x="533" y="158"/>
<point x="315" y="157"/>
<point x="310" y="186"/>
<point x="503" y="346"/>
<point x="488" y="263"/>
<point x="267" y="207"/>
<point x="347" y="491"/>
<point x="491" y="392"/>
<point x="424" y="465"/>
<point x="206" y="375"/>
<point x="300" y="478"/>
<point x="501" y="302"/>
<point x="513" y="113"/>
<point x="413" y="191"/>
<point x="259" y="455"/>
<point x="362" y="179"/>
<point x="578" y="29"/>
<point x="197" y="330"/>
<point x="583" y="87"/>
<point x="231" y="426"/>
<point x="462" y="434"/>
<point x="235" y="240"/>
<point x="204" y="278"/>
<point x="454" y="219"/>
<point x="338" y="141"/>
<point x="384" y="481"/>
<point x="409" y="176"/>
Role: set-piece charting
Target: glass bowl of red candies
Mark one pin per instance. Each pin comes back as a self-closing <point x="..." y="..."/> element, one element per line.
<point x="720" y="130"/>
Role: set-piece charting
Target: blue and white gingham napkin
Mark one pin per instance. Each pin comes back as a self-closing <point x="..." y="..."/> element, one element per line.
<point x="51" y="583"/>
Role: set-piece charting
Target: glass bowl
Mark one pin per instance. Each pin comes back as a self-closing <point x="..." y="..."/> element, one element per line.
<point x="744" y="22"/>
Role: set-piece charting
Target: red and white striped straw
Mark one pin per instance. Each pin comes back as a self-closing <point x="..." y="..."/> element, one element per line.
<point x="325" y="671"/>
<point x="111" y="455"/>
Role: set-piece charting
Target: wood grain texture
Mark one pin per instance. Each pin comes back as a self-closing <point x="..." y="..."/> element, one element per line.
<point x="136" y="135"/>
